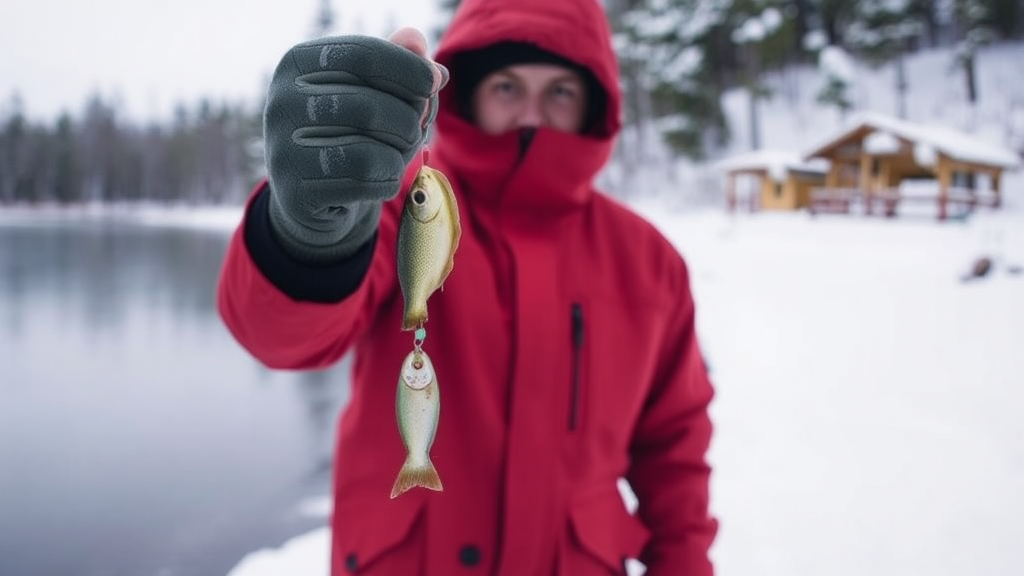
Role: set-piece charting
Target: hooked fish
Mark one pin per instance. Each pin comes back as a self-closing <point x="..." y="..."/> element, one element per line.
<point x="417" y="407"/>
<point x="428" y="236"/>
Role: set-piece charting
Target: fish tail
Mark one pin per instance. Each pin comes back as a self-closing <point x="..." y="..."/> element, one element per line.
<point x="411" y="476"/>
<point x="414" y="317"/>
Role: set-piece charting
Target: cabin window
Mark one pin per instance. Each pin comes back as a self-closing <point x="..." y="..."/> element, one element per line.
<point x="876" y="167"/>
<point x="964" y="180"/>
<point x="777" y="189"/>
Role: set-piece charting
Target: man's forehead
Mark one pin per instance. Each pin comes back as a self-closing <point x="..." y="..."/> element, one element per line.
<point x="536" y="70"/>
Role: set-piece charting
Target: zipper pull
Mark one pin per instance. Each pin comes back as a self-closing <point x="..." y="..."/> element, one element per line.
<point x="576" y="318"/>
<point x="577" y="325"/>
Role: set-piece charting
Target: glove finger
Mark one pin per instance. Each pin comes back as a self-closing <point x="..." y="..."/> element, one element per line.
<point x="314" y="119"/>
<point x="412" y="39"/>
<point x="356" y="169"/>
<point x="365" y="60"/>
<point x="429" y="113"/>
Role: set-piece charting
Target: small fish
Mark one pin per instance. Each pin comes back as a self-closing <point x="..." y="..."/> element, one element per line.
<point x="417" y="407"/>
<point x="428" y="236"/>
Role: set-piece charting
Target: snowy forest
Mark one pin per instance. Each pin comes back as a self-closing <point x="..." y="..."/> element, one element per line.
<point x="677" y="58"/>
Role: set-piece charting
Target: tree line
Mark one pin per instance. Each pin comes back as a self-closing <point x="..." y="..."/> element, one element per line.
<point x="206" y="154"/>
<point x="677" y="59"/>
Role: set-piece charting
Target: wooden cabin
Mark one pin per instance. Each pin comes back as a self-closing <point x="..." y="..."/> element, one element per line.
<point x="770" y="180"/>
<point x="872" y="159"/>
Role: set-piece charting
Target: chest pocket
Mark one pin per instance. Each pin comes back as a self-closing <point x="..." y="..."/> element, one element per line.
<point x="612" y="356"/>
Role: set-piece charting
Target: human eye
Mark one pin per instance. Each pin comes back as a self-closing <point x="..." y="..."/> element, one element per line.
<point x="565" y="91"/>
<point x="504" y="87"/>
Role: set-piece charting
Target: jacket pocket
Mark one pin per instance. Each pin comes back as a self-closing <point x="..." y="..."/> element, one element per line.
<point x="604" y="534"/>
<point x="372" y="539"/>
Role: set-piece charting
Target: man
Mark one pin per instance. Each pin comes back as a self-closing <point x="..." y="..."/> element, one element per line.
<point x="563" y="340"/>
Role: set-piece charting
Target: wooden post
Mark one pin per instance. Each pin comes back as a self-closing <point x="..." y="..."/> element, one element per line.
<point x="945" y="174"/>
<point x="885" y="186"/>
<point x="972" y="190"/>
<point x="754" y="200"/>
<point x="997" y="198"/>
<point x="730" y="192"/>
<point x="832" y="177"/>
<point x="865" y="183"/>
<point x="789" y="191"/>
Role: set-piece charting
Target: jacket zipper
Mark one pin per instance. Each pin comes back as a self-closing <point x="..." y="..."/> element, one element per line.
<point x="576" y="318"/>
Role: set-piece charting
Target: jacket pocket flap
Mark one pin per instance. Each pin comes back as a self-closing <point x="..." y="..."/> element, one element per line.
<point x="607" y="530"/>
<point x="362" y="532"/>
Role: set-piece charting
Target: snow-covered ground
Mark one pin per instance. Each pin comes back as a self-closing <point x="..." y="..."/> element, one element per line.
<point x="868" y="416"/>
<point x="869" y="398"/>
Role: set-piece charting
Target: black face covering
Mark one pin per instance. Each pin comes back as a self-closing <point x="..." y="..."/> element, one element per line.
<point x="525" y="137"/>
<point x="469" y="68"/>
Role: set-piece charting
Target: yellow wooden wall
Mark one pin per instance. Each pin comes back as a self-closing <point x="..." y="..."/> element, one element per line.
<point x="776" y="195"/>
<point x="793" y="193"/>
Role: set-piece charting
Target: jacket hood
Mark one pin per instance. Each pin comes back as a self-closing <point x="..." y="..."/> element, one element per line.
<point x="576" y="30"/>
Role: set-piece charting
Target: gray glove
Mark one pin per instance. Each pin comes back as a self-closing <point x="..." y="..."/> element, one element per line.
<point x="344" y="116"/>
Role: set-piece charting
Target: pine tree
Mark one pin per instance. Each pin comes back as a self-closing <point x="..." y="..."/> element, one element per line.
<point x="757" y="36"/>
<point x="668" y="43"/>
<point x="65" y="160"/>
<point x="837" y="73"/>
<point x="324" y="23"/>
<point x="12" y="146"/>
<point x="1005" y="17"/>
<point x="971" y="18"/>
<point x="882" y="33"/>
<point x="447" y="8"/>
<point x="834" y="16"/>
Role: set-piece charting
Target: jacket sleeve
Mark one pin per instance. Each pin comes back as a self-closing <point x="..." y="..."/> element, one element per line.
<point x="668" y="470"/>
<point x="290" y="315"/>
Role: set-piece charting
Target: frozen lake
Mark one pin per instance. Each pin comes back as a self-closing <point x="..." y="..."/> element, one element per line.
<point x="136" y="437"/>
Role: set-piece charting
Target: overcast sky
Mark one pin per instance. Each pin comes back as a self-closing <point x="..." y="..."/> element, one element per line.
<point x="150" y="54"/>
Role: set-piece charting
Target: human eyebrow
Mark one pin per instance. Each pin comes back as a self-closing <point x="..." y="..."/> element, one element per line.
<point x="504" y="74"/>
<point x="568" y="78"/>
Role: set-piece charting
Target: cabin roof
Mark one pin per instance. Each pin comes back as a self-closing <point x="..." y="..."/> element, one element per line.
<point x="775" y="162"/>
<point x="955" y="144"/>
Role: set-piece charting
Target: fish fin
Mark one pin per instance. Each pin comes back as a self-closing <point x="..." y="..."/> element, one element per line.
<point x="412" y="476"/>
<point x="450" y="263"/>
<point x="414" y="318"/>
<point x="454" y="220"/>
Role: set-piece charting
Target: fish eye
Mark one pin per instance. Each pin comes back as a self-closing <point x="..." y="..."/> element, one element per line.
<point x="419" y="197"/>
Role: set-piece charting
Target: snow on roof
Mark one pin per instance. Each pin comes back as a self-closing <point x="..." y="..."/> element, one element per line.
<point x="775" y="162"/>
<point x="881" y="142"/>
<point x="953" y="143"/>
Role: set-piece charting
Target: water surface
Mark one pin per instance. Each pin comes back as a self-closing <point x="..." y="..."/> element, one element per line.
<point x="136" y="437"/>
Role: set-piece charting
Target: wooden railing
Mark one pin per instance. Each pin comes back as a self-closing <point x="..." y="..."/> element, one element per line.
<point x="834" y="200"/>
<point x="887" y="200"/>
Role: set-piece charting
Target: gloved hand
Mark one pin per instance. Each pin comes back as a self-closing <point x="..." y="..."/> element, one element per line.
<point x="344" y="116"/>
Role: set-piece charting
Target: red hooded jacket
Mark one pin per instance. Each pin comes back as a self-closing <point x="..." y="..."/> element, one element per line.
<point x="563" y="343"/>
